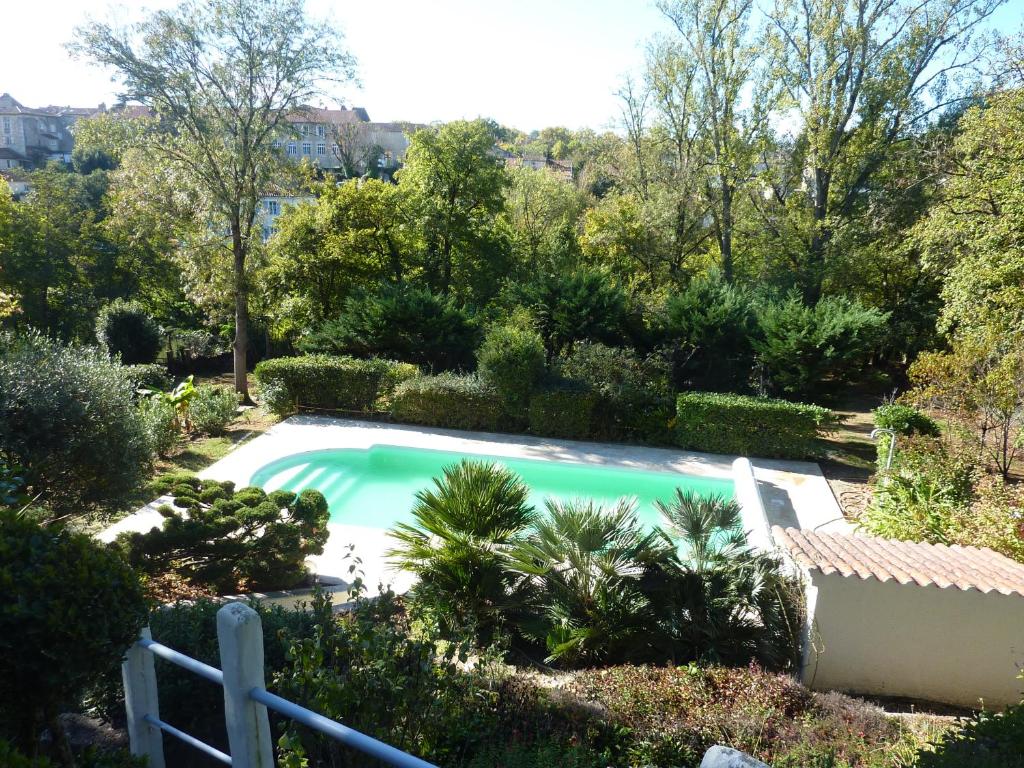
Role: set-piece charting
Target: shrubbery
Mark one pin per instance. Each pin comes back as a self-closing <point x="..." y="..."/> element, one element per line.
<point x="69" y="608"/>
<point x="566" y="412"/>
<point x="160" y="420"/>
<point x="512" y="360"/>
<point x="403" y="322"/>
<point x="68" y="418"/>
<point x="127" y="331"/>
<point x="332" y="383"/>
<point x="212" y="409"/>
<point x="231" y="540"/>
<point x="149" y="376"/>
<point x="449" y="400"/>
<point x="749" y="426"/>
<point x="903" y="420"/>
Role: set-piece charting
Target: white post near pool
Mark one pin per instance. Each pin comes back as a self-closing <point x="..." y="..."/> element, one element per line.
<point x="240" y="636"/>
<point x="138" y="672"/>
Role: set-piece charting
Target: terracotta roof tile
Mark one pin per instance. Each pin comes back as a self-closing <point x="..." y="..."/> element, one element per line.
<point x="907" y="562"/>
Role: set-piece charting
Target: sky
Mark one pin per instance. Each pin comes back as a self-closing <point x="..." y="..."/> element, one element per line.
<point x="525" y="63"/>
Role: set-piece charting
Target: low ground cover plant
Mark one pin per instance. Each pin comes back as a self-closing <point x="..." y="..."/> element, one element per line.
<point x="230" y="541"/>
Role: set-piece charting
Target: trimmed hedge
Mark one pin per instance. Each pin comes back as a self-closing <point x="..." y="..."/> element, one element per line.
<point x="449" y="400"/>
<point x="565" y="413"/>
<point x="749" y="426"/>
<point x="333" y="383"/>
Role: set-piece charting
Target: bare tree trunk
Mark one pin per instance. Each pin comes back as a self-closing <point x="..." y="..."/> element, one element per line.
<point x="241" y="342"/>
<point x="725" y="243"/>
<point x="815" y="269"/>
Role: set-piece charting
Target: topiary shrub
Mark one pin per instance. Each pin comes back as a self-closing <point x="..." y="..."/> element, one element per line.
<point x="903" y="420"/>
<point x="230" y="540"/>
<point x="332" y="383"/>
<point x="449" y="400"/>
<point x="149" y="376"/>
<point x="563" y="412"/>
<point x="749" y="426"/>
<point x="127" y="331"/>
<point x="68" y="418"/>
<point x="512" y="360"/>
<point x="403" y="322"/>
<point x="212" y="409"/>
<point x="69" y="607"/>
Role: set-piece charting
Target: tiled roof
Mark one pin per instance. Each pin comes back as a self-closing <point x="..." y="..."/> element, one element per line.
<point x="907" y="562"/>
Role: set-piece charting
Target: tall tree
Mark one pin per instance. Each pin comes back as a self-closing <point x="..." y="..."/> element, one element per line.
<point x="223" y="75"/>
<point x="862" y="76"/>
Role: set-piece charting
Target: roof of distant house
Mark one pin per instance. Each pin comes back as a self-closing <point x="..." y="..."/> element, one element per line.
<point x="907" y="562"/>
<point x="343" y="116"/>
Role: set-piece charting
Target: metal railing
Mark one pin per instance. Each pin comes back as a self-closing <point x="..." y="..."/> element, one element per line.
<point x="246" y="700"/>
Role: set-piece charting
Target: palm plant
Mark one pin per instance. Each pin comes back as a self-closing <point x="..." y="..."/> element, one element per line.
<point x="588" y="565"/>
<point x="722" y="601"/>
<point x="459" y="545"/>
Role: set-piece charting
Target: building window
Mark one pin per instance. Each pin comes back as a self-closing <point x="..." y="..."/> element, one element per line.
<point x="273" y="207"/>
<point x="321" y="149"/>
<point x="305" y="130"/>
<point x="291" y="148"/>
<point x="276" y="143"/>
<point x="334" y="150"/>
<point x="267" y="232"/>
<point x="320" y="131"/>
<point x="7" y="125"/>
<point x="307" y="148"/>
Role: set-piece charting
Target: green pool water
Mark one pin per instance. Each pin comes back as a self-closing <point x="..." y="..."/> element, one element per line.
<point x="376" y="487"/>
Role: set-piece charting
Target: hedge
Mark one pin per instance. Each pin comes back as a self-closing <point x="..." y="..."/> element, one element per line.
<point x="565" y="413"/>
<point x="449" y="400"/>
<point x="333" y="383"/>
<point x="749" y="426"/>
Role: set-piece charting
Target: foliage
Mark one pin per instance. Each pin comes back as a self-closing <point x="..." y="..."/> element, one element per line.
<point x="809" y="351"/>
<point x="749" y="426"/>
<point x="333" y="383"/>
<point x="985" y="739"/>
<point x="149" y="376"/>
<point x="904" y="420"/>
<point x="212" y="409"/>
<point x="583" y="305"/>
<point x="723" y="601"/>
<point x="565" y="411"/>
<point x="68" y="609"/>
<point x="460" y="542"/>
<point x="403" y="322"/>
<point x="511" y="359"/>
<point x="68" y="417"/>
<point x="160" y="421"/>
<point x="90" y="758"/>
<point x="709" y="328"/>
<point x="180" y="401"/>
<point x="12" y="486"/>
<point x="588" y="565"/>
<point x="127" y="331"/>
<point x="449" y="400"/>
<point x="231" y="540"/>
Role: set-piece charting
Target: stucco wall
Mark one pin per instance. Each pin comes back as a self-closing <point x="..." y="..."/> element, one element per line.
<point x="930" y="643"/>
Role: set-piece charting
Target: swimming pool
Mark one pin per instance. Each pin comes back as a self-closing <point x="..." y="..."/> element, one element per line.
<point x="375" y="487"/>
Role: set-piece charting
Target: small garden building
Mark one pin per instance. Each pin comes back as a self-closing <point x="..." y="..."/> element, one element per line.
<point x="900" y="618"/>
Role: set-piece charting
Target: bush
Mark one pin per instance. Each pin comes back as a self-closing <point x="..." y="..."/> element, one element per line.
<point x="149" y="376"/>
<point x="903" y="420"/>
<point x="402" y="322"/>
<point x="68" y="418"/>
<point x="332" y="383"/>
<point x="212" y="409"/>
<point x="749" y="426"/>
<point x="564" y="412"/>
<point x="127" y="331"/>
<point x="709" y="328"/>
<point x="983" y="740"/>
<point x="160" y="420"/>
<point x="511" y="359"/>
<point x="808" y="352"/>
<point x="69" y="607"/>
<point x="449" y="400"/>
<point x="231" y="541"/>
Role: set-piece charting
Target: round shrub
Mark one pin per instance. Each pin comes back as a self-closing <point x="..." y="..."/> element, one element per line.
<point x="212" y="409"/>
<point x="511" y="359"/>
<point x="69" y="608"/>
<point x="126" y="330"/>
<point x="68" y="418"/>
<point x="149" y="376"/>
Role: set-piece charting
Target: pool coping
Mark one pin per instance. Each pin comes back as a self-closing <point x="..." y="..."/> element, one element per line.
<point x="770" y="492"/>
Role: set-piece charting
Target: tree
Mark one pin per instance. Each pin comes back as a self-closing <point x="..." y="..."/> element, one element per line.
<point x="456" y="182"/>
<point x="542" y="212"/>
<point x="224" y="75"/>
<point x="863" y="76"/>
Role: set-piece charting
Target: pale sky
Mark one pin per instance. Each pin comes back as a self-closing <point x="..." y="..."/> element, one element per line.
<point x="525" y="63"/>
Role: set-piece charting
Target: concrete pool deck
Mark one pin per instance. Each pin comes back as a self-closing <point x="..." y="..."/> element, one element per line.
<point x="793" y="493"/>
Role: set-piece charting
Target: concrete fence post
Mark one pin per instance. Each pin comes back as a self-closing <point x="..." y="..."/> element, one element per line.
<point x="240" y="636"/>
<point x="138" y="671"/>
